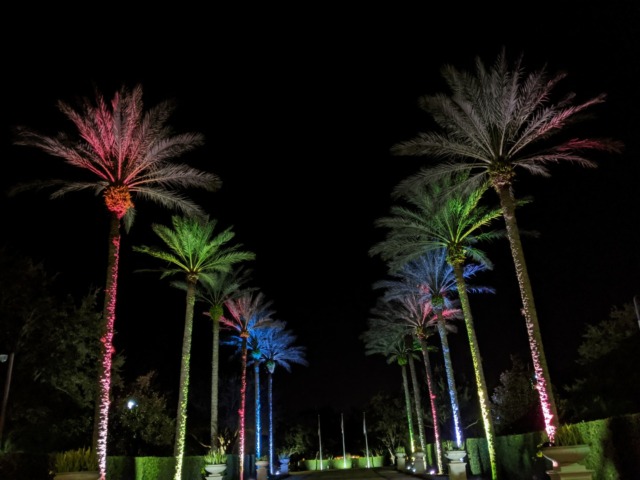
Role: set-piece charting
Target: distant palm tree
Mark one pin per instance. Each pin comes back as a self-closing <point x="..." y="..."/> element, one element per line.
<point x="195" y="251"/>
<point x="246" y="312"/>
<point x="387" y="337"/>
<point x="278" y="349"/>
<point x="129" y="153"/>
<point x="440" y="216"/>
<point x="497" y="121"/>
<point x="431" y="277"/>
<point x="223" y="286"/>
<point x="415" y="314"/>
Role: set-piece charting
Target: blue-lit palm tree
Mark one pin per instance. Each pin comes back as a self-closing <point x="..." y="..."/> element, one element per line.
<point x="248" y="311"/>
<point x="442" y="216"/>
<point x="128" y="153"/>
<point x="278" y="349"/>
<point x="195" y="251"/>
<point x="498" y="121"/>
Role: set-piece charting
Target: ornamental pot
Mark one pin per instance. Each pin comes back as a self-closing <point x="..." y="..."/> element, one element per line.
<point x="216" y="468"/>
<point x="455" y="455"/>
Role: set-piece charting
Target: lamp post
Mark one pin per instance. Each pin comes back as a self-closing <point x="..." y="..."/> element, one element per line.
<point x="7" y="384"/>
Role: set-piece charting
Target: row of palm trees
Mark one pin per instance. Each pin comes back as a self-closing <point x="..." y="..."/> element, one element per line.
<point x="130" y="154"/>
<point x="497" y="121"/>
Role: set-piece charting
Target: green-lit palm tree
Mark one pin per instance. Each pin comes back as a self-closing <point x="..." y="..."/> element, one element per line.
<point x="195" y="251"/>
<point x="496" y="122"/>
<point x="441" y="216"/>
<point x="222" y="287"/>
<point x="246" y="312"/>
<point x="386" y="337"/>
<point x="278" y="349"/>
<point x="129" y="154"/>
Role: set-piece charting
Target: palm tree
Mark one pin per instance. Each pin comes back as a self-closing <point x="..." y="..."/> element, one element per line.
<point x="130" y="154"/>
<point x="246" y="312"/>
<point x="278" y="349"/>
<point x="386" y="337"/>
<point x="195" y="251"/>
<point x="414" y="314"/>
<point x="431" y="277"/>
<point x="440" y="216"/>
<point x="223" y="286"/>
<point x="496" y="122"/>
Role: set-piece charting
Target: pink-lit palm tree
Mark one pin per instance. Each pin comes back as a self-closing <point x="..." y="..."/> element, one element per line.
<point x="246" y="312"/>
<point x="129" y="153"/>
<point x="497" y="121"/>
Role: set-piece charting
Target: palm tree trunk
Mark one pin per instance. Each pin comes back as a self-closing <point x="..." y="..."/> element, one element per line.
<point x="544" y="387"/>
<point x="451" y="382"/>
<point x="481" y="384"/>
<point x="183" y="393"/>
<point x="434" y="407"/>
<point x="258" y="408"/>
<point x="215" y="366"/>
<point x="417" y="397"/>
<point x="103" y="400"/>
<point x="271" y="432"/>
<point x="243" y="403"/>
<point x="407" y="401"/>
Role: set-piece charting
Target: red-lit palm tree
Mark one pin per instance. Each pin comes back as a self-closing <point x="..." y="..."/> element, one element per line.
<point x="496" y="122"/>
<point x="277" y="346"/>
<point x="195" y="251"/>
<point x="128" y="154"/>
<point x="246" y="312"/>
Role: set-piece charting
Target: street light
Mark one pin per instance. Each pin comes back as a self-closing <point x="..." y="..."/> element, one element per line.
<point x="7" y="384"/>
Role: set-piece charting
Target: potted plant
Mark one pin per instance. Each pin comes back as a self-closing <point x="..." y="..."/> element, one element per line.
<point x="401" y="461"/>
<point x="78" y="464"/>
<point x="453" y="452"/>
<point x="284" y="457"/>
<point x="215" y="461"/>
<point x="261" y="467"/>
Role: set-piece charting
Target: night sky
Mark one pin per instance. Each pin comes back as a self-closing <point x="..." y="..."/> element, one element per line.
<point x="300" y="109"/>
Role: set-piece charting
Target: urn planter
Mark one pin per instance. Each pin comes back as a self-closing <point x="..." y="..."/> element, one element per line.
<point x="566" y="462"/>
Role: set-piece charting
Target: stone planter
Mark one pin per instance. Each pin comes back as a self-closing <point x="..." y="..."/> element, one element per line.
<point x="401" y="461"/>
<point x="215" y="471"/>
<point x="284" y="465"/>
<point x="565" y="462"/>
<point x="261" y="469"/>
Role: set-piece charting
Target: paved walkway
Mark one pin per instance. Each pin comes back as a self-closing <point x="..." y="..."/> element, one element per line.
<point x="385" y="473"/>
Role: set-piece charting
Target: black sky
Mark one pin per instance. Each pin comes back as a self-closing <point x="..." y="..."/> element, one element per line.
<point x="299" y="109"/>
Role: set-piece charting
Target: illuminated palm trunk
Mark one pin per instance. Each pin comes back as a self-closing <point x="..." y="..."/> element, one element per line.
<point x="417" y="398"/>
<point x="183" y="395"/>
<point x="243" y="402"/>
<point x="481" y="384"/>
<point x="256" y="370"/>
<point x="543" y="379"/>
<point x="434" y="407"/>
<point x="271" y="432"/>
<point x="215" y="366"/>
<point x="407" y="401"/>
<point x="451" y="383"/>
<point x="101" y="426"/>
